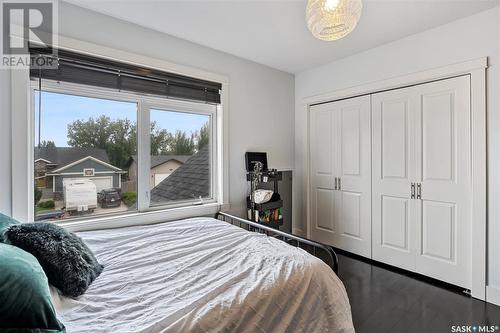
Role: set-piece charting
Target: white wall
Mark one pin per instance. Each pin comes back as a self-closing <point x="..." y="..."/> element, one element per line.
<point x="466" y="39"/>
<point x="261" y="99"/>
<point x="5" y="147"/>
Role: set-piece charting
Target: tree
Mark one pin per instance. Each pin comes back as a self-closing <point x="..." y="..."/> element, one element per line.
<point x="160" y="140"/>
<point x="47" y="144"/>
<point x="90" y="133"/>
<point x="122" y="142"/>
<point x="117" y="137"/>
<point x="203" y="137"/>
<point x="182" y="144"/>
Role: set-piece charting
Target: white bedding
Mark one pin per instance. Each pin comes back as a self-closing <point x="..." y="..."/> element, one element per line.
<point x="204" y="275"/>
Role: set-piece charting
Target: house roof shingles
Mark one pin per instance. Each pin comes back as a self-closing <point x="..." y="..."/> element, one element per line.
<point x="189" y="181"/>
<point x="63" y="156"/>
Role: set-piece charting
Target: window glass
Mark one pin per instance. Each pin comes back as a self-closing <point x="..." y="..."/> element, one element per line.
<point x="180" y="157"/>
<point x="85" y="156"/>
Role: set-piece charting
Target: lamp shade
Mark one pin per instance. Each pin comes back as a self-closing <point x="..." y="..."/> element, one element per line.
<point x="332" y="19"/>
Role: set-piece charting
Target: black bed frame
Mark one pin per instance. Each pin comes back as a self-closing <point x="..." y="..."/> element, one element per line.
<point x="331" y="257"/>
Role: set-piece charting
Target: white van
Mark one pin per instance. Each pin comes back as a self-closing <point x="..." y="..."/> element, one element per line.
<point x="80" y="195"/>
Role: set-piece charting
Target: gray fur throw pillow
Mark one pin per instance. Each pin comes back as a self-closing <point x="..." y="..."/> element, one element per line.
<point x="69" y="264"/>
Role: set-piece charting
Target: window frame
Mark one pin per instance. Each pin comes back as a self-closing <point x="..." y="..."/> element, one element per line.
<point x="209" y="110"/>
<point x="22" y="149"/>
<point x="145" y="105"/>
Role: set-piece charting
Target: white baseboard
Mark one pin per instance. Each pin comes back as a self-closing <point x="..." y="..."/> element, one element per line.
<point x="493" y="295"/>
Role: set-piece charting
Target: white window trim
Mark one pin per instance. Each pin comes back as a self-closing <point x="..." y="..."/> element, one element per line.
<point x="144" y="104"/>
<point x="182" y="107"/>
<point x="23" y="141"/>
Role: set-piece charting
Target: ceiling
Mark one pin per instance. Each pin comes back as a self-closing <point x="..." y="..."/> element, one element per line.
<point x="274" y="32"/>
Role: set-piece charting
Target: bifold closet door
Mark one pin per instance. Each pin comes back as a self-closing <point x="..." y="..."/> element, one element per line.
<point x="422" y="136"/>
<point x="394" y="165"/>
<point x="444" y="222"/>
<point x="323" y="194"/>
<point x="341" y="174"/>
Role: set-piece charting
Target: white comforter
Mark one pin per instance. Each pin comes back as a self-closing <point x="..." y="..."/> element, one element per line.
<point x="204" y="275"/>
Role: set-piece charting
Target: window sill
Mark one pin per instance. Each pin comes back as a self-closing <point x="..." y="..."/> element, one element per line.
<point x="144" y="218"/>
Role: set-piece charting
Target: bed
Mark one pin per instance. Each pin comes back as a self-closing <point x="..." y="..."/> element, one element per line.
<point x="204" y="275"/>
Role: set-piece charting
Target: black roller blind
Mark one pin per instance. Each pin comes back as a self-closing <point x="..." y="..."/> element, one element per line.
<point x="94" y="71"/>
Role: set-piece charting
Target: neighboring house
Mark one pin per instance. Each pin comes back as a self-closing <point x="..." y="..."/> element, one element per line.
<point x="55" y="165"/>
<point x="162" y="166"/>
<point x="190" y="181"/>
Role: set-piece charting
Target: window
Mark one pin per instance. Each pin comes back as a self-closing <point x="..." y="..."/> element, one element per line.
<point x="101" y="152"/>
<point x="180" y="157"/>
<point x="84" y="147"/>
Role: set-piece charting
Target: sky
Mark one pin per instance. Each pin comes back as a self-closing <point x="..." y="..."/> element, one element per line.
<point x="60" y="110"/>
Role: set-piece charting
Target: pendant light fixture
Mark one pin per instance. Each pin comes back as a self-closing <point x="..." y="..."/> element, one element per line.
<point x="332" y="19"/>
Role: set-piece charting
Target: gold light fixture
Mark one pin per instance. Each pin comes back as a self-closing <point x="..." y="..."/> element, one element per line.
<point x="332" y="19"/>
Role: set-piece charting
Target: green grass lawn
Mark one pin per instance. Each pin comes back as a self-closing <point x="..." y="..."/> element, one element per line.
<point x="43" y="210"/>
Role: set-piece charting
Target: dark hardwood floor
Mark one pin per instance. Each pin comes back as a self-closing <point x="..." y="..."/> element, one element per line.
<point x="386" y="300"/>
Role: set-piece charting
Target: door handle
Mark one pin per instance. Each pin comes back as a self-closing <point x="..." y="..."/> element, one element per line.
<point x="419" y="191"/>
<point x="412" y="192"/>
<point x="340" y="185"/>
<point x="336" y="184"/>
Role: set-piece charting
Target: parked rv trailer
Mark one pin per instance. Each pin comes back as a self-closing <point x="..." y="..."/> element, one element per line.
<point x="80" y="196"/>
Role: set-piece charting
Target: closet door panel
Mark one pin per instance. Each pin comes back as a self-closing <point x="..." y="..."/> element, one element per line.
<point x="322" y="143"/>
<point x="351" y="139"/>
<point x="322" y="178"/>
<point x="340" y="149"/>
<point x="393" y="171"/>
<point x="325" y="210"/>
<point x="393" y="135"/>
<point x="439" y="230"/>
<point x="445" y="213"/>
<point x="351" y="218"/>
<point x="438" y="136"/>
<point x="395" y="223"/>
<point x="355" y="174"/>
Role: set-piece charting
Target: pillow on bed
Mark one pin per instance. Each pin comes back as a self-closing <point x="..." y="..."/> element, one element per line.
<point x="5" y="222"/>
<point x="69" y="264"/>
<point x="26" y="304"/>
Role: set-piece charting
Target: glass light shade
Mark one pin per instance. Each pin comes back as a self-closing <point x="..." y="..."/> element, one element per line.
<point x="332" y="19"/>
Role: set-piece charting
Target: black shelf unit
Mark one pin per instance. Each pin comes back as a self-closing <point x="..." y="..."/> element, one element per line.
<point x="273" y="224"/>
<point x="265" y="177"/>
<point x="271" y="177"/>
<point x="265" y="206"/>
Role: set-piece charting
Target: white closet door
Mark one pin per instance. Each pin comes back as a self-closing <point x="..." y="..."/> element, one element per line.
<point x="354" y="165"/>
<point x="393" y="171"/>
<point x="340" y="149"/>
<point x="422" y="135"/>
<point x="444" y="221"/>
<point x="322" y="175"/>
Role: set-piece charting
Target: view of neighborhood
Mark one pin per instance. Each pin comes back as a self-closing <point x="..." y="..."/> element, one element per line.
<point x="86" y="160"/>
